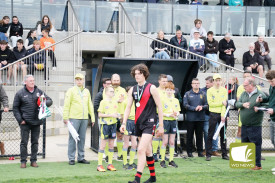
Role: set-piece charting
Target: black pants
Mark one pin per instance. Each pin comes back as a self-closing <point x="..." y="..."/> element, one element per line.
<point x="253" y="134"/>
<point x="213" y="120"/>
<point x="197" y="127"/>
<point x="229" y="59"/>
<point x="52" y="56"/>
<point x="25" y="132"/>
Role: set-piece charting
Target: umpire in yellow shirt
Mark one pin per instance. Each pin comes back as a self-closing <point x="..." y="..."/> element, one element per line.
<point x="77" y="106"/>
<point x="217" y="101"/>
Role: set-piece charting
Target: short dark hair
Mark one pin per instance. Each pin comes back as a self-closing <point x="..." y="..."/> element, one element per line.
<point x="20" y="41"/>
<point x="46" y="30"/>
<point x="3" y="42"/>
<point x="14" y="17"/>
<point x="195" y="79"/>
<point x="210" y="79"/>
<point x="142" y="68"/>
<point x="162" y="76"/>
<point x="270" y="75"/>
<point x="105" y="79"/>
<point x="210" y="33"/>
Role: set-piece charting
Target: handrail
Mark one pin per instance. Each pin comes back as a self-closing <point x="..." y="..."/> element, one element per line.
<point x="187" y="51"/>
<point x="39" y="51"/>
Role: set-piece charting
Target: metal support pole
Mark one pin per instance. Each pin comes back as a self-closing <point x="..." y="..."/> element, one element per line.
<point x="95" y="16"/>
<point x="172" y="23"/>
<point x="147" y="18"/>
<point x="47" y="71"/>
<point x="12" y="9"/>
<point x="41" y="4"/>
<point x="245" y="21"/>
<point x="124" y="35"/>
<point x="221" y="19"/>
<point x="44" y="139"/>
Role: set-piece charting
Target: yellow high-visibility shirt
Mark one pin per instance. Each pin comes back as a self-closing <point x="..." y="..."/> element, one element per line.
<point x="119" y="91"/>
<point x="108" y="107"/>
<point x="170" y="105"/>
<point x="215" y="97"/>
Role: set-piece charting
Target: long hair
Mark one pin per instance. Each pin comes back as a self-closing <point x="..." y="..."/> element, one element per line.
<point x="4" y="18"/>
<point x="42" y="21"/>
<point x="30" y="33"/>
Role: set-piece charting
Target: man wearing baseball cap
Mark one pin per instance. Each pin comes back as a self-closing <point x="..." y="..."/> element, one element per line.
<point x="77" y="106"/>
<point x="217" y="101"/>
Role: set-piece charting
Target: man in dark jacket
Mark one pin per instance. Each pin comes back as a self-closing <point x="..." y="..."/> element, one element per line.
<point x="16" y="31"/>
<point x="20" y="52"/>
<point x="178" y="41"/>
<point x="4" y="100"/>
<point x="195" y="103"/>
<point x="262" y="48"/>
<point x="105" y="82"/>
<point x="26" y="110"/>
<point x="251" y="117"/>
<point x="252" y="61"/>
<point x="6" y="57"/>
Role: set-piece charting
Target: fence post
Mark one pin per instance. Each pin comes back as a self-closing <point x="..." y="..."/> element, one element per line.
<point x="95" y="16"/>
<point x="245" y="21"/>
<point x="44" y="139"/>
<point x="47" y="71"/>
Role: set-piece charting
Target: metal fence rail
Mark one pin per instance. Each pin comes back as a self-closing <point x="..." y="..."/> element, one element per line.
<point x="10" y="136"/>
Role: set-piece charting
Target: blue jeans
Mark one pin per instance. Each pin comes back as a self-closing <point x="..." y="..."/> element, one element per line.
<point x="212" y="57"/>
<point x="253" y="134"/>
<point x="80" y="126"/>
<point x="3" y="37"/>
<point x="162" y="55"/>
<point x="205" y="134"/>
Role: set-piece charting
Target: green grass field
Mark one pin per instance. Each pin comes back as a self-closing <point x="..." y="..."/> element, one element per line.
<point x="190" y="170"/>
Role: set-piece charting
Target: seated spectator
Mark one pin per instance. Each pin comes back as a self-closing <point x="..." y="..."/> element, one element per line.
<point x="16" y="31"/>
<point x="233" y="85"/>
<point x="6" y="57"/>
<point x="197" y="46"/>
<point x="160" y="49"/>
<point x="31" y="37"/>
<point x="19" y="52"/>
<point x="4" y="28"/>
<point x="211" y="49"/>
<point x="226" y="49"/>
<point x="37" y="62"/>
<point x="46" y="41"/>
<point x="178" y="41"/>
<point x="45" y="24"/>
<point x="262" y="48"/>
<point x="198" y="27"/>
<point x="195" y="2"/>
<point x="252" y="62"/>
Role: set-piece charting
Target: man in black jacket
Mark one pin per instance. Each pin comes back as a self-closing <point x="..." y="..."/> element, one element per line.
<point x="25" y="110"/>
<point x="178" y="41"/>
<point x="252" y="62"/>
<point x="195" y="103"/>
<point x="227" y="49"/>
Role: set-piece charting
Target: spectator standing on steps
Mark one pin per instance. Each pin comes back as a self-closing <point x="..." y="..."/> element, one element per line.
<point x="25" y="110"/>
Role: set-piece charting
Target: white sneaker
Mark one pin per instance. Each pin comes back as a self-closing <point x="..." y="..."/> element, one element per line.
<point x="54" y="68"/>
<point x="273" y="169"/>
<point x="8" y="82"/>
<point x="232" y="70"/>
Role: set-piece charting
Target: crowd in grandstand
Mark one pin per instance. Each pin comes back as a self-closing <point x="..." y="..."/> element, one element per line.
<point x="13" y="47"/>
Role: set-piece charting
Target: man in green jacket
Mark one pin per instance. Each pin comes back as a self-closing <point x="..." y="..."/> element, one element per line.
<point x="77" y="106"/>
<point x="251" y="117"/>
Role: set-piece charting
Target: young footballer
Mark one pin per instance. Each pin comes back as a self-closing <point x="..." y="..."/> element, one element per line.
<point x="108" y="114"/>
<point x="146" y="99"/>
<point x="171" y="109"/>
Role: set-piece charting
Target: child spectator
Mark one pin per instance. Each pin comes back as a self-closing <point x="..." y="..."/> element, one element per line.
<point x="262" y="48"/>
<point x="198" y="27"/>
<point x="19" y="52"/>
<point x="233" y="85"/>
<point x="31" y="37"/>
<point x="108" y="114"/>
<point x="6" y="57"/>
<point x="16" y="31"/>
<point x="171" y="109"/>
<point x="130" y="133"/>
<point x="197" y="46"/>
<point x="45" y="24"/>
<point x="46" y="41"/>
<point x="211" y="49"/>
<point x="4" y="28"/>
<point x="160" y="49"/>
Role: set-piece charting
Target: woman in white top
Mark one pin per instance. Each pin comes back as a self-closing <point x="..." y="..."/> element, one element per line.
<point x="45" y="24"/>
